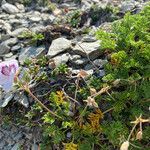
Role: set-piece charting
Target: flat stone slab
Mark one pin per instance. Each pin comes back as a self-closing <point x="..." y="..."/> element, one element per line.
<point x="58" y="46"/>
<point x="19" y="31"/>
<point x="88" y="48"/>
<point x="31" y="52"/>
<point x="9" y="8"/>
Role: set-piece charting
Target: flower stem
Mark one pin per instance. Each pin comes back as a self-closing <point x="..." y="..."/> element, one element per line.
<point x="40" y="103"/>
<point x="107" y="110"/>
<point x="131" y="132"/>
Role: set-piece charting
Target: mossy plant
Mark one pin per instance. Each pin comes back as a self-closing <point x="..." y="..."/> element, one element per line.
<point x="35" y="37"/>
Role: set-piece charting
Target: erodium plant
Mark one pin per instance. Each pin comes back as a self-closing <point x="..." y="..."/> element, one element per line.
<point x="89" y="112"/>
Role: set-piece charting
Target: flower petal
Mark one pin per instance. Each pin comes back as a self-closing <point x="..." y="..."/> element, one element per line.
<point x="7" y="74"/>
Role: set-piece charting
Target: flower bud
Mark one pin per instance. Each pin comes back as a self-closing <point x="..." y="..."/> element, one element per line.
<point x="92" y="91"/>
<point x="139" y="135"/>
<point x="125" y="145"/>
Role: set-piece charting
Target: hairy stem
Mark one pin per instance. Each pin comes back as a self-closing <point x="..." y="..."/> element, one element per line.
<point x="40" y="103"/>
<point x="131" y="132"/>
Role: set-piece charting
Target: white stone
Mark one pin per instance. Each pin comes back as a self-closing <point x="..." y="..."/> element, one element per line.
<point x="88" y="48"/>
<point x="19" y="31"/>
<point x="59" y="45"/>
<point x="9" y="8"/>
<point x="35" y="19"/>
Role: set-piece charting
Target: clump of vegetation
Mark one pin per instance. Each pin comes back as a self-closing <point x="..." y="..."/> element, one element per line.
<point x="98" y="13"/>
<point x="35" y="38"/>
<point x="51" y="6"/>
<point x="74" y="18"/>
<point x="83" y="112"/>
<point x="77" y="1"/>
<point x="128" y="70"/>
<point x="38" y="2"/>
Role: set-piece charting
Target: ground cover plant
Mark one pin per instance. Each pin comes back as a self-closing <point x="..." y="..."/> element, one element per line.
<point x="80" y="111"/>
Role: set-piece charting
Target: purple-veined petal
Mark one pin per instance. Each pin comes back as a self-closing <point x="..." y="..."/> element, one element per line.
<point x="7" y="73"/>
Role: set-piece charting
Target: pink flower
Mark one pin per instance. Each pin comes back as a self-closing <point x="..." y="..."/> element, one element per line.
<point x="7" y="74"/>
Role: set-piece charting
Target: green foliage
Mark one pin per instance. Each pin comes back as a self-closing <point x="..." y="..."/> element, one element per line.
<point x="61" y="69"/>
<point x="97" y="12"/>
<point x="85" y="146"/>
<point x="115" y="130"/>
<point x="129" y="63"/>
<point x="39" y="2"/>
<point x="77" y="1"/>
<point x="107" y="39"/>
<point x="123" y="93"/>
<point x="26" y="2"/>
<point x="34" y="37"/>
<point x="74" y="18"/>
<point x="95" y="82"/>
<point x="130" y="41"/>
<point x="55" y="132"/>
<point x="51" y="6"/>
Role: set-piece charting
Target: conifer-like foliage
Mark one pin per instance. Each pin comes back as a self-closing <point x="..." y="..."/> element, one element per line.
<point x="128" y="45"/>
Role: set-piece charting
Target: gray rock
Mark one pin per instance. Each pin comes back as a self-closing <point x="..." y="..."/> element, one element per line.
<point x="15" y="147"/>
<point x="11" y="16"/>
<point x="4" y="26"/>
<point x="18" y="137"/>
<point x="12" y="41"/>
<point x="35" y="147"/>
<point x="15" y="48"/>
<point x="11" y="57"/>
<point x="4" y="15"/>
<point x="88" y="48"/>
<point x="79" y="62"/>
<point x="31" y="52"/>
<point x="22" y="99"/>
<point x="19" y="31"/>
<point x="20" y="15"/>
<point x="69" y="134"/>
<point x="15" y="22"/>
<point x="37" y="29"/>
<point x="127" y="6"/>
<point x="2" y="144"/>
<point x="88" y="67"/>
<point x="5" y="99"/>
<point x="58" y="46"/>
<point x="1" y="135"/>
<point x="5" y="45"/>
<point x="89" y="39"/>
<point x="48" y="18"/>
<point x="4" y="48"/>
<point x="75" y="71"/>
<point x="35" y="19"/>
<point x="75" y="57"/>
<point x="9" y="8"/>
<point x="86" y="5"/>
<point x="101" y="73"/>
<point x="62" y="59"/>
<point x="10" y="142"/>
<point x="106" y="26"/>
<point x="4" y="37"/>
<point x="8" y="55"/>
<point x="20" y="7"/>
<point x="3" y="23"/>
<point x="100" y="62"/>
<point x="82" y="61"/>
